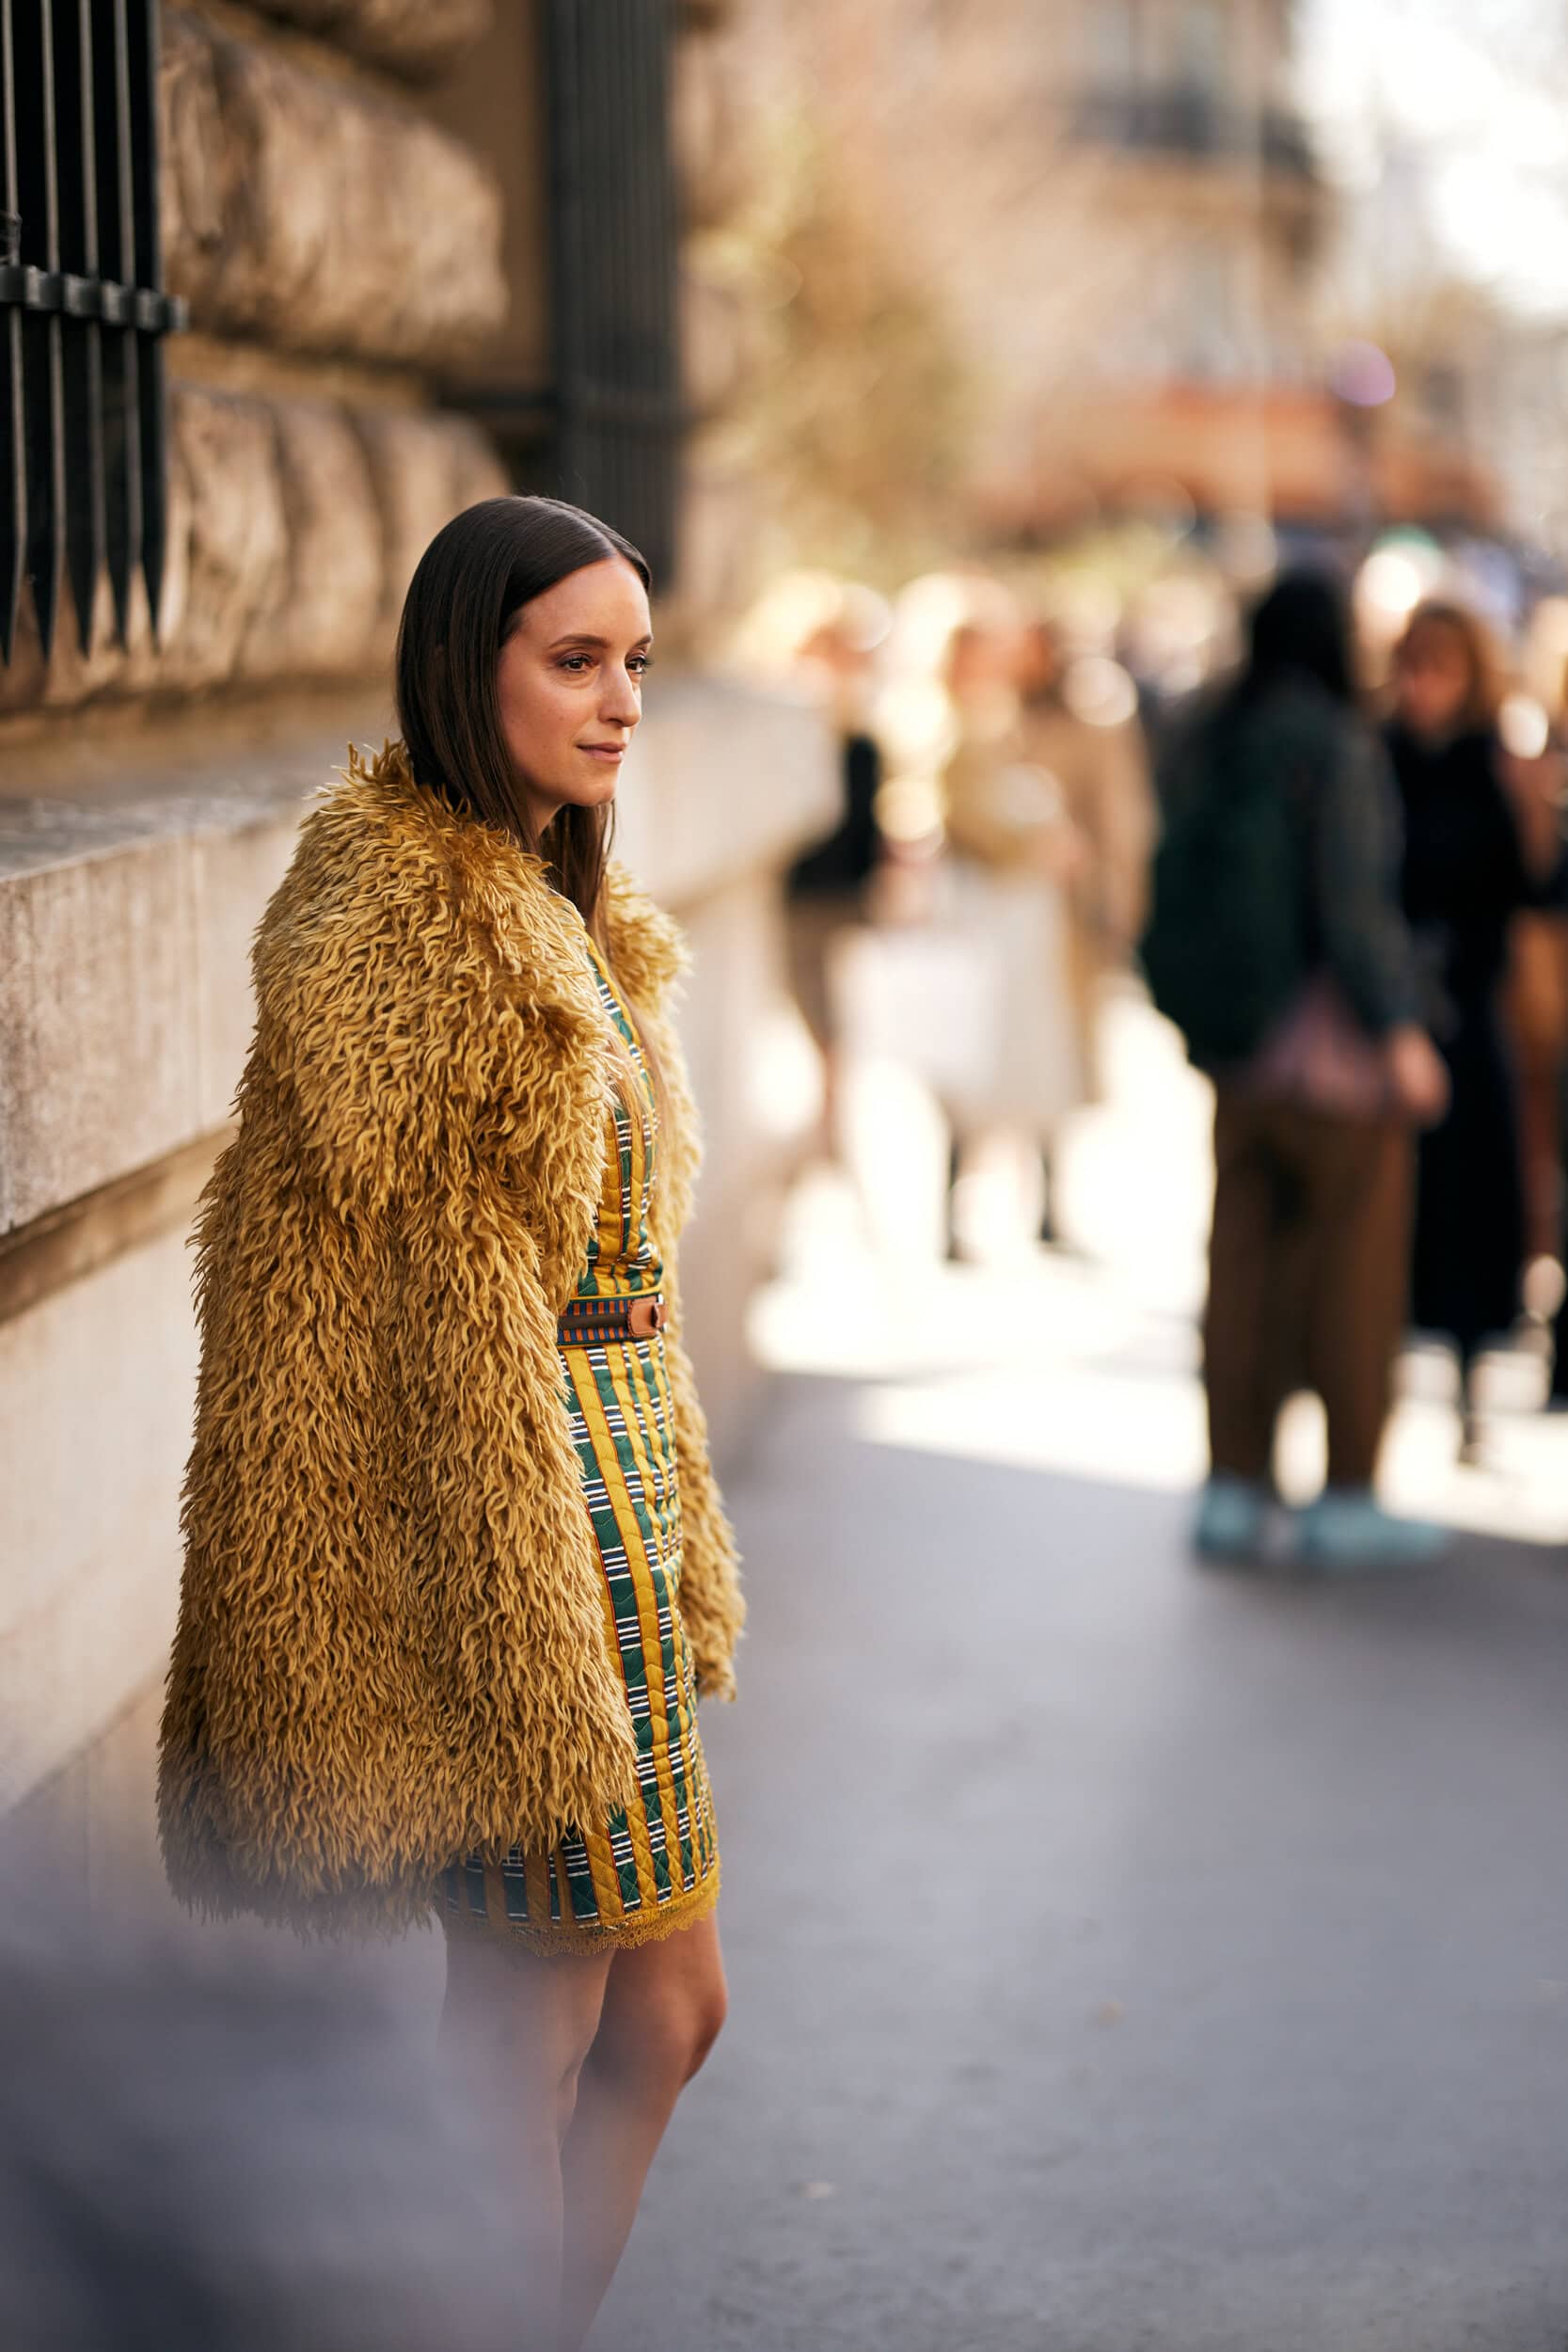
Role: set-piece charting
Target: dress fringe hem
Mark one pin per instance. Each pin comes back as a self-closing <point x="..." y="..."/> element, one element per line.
<point x="584" y="1938"/>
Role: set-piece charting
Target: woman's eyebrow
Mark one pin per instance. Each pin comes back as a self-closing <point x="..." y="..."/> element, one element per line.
<point x="601" y="644"/>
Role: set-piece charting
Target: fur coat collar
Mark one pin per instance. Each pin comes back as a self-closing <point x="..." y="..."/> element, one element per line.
<point x="501" y="953"/>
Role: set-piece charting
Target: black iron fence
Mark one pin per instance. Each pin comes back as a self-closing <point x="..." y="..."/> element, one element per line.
<point x="83" y="460"/>
<point x="616" y="408"/>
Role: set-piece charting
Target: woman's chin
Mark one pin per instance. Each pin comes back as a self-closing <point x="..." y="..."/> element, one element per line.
<point x="591" y="791"/>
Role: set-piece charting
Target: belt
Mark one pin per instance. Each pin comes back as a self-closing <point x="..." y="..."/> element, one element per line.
<point x="587" y="1322"/>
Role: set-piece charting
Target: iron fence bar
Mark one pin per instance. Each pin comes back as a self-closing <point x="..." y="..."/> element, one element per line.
<point x="619" y="416"/>
<point x="141" y="24"/>
<point x="13" y="486"/>
<point x="661" y="288"/>
<point x="42" y="391"/>
<point x="81" y="328"/>
<point x="567" y="240"/>
<point x="83" y="430"/>
<point x="122" y="482"/>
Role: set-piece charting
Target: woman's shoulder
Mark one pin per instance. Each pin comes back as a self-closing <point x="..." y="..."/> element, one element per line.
<point x="375" y="844"/>
<point x="408" y="956"/>
<point x="371" y="863"/>
<point x="393" y="891"/>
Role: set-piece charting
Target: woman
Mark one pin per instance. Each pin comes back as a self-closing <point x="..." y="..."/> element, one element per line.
<point x="456" y="1567"/>
<point x="1464" y="879"/>
<point x="1312" y="1131"/>
<point x="1015" y="854"/>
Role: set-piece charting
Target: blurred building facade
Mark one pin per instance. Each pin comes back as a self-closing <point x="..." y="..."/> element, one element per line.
<point x="1120" y="206"/>
<point x="378" y="216"/>
<point x="1213" y="377"/>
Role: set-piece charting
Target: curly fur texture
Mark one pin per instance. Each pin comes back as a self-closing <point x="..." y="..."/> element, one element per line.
<point x="392" y="1645"/>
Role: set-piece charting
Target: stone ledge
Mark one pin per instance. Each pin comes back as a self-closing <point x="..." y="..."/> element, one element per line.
<point x="71" y="1244"/>
<point x="97" y="1382"/>
<point x="124" y="987"/>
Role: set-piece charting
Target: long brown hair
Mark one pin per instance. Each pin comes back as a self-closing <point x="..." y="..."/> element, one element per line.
<point x="1485" y="690"/>
<point x="475" y="575"/>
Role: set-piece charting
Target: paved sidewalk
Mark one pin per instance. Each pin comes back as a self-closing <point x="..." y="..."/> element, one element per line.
<point x="1121" y="1956"/>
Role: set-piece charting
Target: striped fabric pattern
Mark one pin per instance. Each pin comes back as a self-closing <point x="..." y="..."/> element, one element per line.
<point x="652" y="1866"/>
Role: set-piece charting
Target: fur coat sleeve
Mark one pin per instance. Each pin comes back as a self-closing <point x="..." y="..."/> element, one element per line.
<point x="394" y="1644"/>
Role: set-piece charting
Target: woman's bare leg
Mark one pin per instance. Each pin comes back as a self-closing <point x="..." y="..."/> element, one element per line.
<point x="662" y="2012"/>
<point x="515" y="2030"/>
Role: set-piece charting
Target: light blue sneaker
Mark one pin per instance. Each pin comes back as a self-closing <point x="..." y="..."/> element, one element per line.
<point x="1346" y="1532"/>
<point x="1231" y="1520"/>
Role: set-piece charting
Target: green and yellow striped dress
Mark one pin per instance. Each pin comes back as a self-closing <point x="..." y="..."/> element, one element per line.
<point x="653" y="1868"/>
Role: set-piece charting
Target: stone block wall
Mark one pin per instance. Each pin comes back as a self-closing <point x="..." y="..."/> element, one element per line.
<point x="307" y="208"/>
<point x="416" y="37"/>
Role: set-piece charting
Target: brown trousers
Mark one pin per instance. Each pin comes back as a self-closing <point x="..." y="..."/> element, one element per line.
<point x="1309" y="1274"/>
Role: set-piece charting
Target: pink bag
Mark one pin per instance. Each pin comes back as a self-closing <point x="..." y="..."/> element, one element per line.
<point x="1321" y="1057"/>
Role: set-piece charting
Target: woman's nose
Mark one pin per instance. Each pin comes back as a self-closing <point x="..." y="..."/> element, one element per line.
<point x="618" y="706"/>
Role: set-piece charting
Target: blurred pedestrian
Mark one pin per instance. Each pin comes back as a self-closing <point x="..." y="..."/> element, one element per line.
<point x="1079" y="725"/>
<point x="1277" y="944"/>
<point x="827" y="887"/>
<point x="1547" y="1034"/>
<point x="1466" y="875"/>
<point x="1016" y="853"/>
<point x="456" y="1568"/>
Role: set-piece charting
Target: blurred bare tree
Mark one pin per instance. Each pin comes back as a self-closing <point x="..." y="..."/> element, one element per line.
<point x="860" y="409"/>
<point x="977" y="223"/>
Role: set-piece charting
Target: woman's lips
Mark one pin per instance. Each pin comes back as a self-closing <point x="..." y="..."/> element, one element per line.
<point x="611" y="753"/>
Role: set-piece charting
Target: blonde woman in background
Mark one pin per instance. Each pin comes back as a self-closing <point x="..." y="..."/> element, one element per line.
<point x="1016" y="855"/>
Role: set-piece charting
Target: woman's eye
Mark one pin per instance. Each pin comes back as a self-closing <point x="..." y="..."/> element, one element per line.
<point x="576" y="662"/>
<point x="640" y="664"/>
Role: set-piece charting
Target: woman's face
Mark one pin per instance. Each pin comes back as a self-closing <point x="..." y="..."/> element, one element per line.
<point x="1432" y="679"/>
<point x="570" y="687"/>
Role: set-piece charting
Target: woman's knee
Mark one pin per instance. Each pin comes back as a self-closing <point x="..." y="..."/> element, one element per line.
<point x="661" y="2039"/>
<point x="705" y="2024"/>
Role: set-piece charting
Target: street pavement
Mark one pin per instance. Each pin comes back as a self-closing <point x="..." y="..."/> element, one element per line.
<point x="1122" y="1955"/>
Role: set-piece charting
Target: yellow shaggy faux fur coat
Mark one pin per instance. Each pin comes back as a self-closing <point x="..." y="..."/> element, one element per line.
<point x="393" y="1648"/>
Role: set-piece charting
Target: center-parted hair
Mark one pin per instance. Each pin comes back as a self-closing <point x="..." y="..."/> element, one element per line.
<point x="475" y="575"/>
